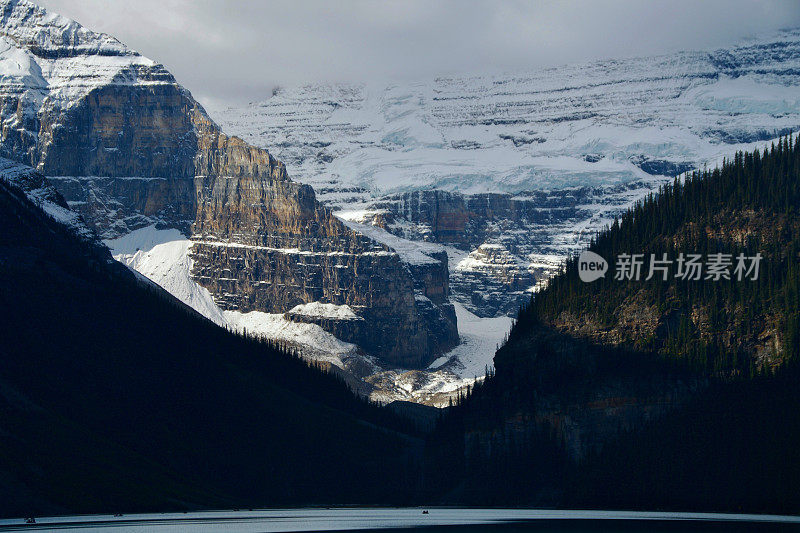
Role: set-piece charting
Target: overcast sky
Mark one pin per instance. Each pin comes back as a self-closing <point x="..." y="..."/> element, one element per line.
<point x="236" y="52"/>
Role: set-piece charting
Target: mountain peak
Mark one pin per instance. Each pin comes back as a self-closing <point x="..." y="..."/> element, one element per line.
<point x="49" y="35"/>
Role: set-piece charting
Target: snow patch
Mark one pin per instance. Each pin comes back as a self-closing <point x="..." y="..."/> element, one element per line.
<point x="480" y="338"/>
<point x="325" y="310"/>
<point x="42" y="194"/>
<point x="162" y="256"/>
<point x="412" y="252"/>
<point x="324" y="346"/>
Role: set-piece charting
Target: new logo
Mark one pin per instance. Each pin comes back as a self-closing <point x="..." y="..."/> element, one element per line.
<point x="591" y="266"/>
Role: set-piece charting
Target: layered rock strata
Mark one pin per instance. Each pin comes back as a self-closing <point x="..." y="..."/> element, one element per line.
<point x="492" y="282"/>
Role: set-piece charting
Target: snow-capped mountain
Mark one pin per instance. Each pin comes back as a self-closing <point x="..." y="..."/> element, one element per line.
<point x="533" y="163"/>
<point x="129" y="148"/>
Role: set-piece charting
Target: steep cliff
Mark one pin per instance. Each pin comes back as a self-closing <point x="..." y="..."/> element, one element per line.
<point x="509" y="237"/>
<point x="129" y="147"/>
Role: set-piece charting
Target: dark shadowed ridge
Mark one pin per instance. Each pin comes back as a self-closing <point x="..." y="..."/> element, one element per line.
<point x="116" y="398"/>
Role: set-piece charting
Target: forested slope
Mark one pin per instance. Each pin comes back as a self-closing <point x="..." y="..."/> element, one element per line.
<point x="749" y="206"/>
<point x="672" y="392"/>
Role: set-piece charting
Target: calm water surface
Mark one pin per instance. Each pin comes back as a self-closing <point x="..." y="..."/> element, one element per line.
<point x="413" y="519"/>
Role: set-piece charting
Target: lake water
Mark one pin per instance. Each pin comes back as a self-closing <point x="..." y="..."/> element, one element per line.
<point x="411" y="519"/>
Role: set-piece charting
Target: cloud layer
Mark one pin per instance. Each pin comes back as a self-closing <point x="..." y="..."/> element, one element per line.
<point x="235" y="52"/>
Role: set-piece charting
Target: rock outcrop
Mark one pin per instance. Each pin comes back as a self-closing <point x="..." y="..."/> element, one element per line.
<point x="464" y="220"/>
<point x="505" y="235"/>
<point x="497" y="282"/>
<point x="129" y="147"/>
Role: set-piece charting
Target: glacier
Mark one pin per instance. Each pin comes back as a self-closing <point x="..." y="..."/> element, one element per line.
<point x="576" y="125"/>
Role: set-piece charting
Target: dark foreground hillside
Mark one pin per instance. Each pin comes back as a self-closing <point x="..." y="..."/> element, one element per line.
<point x="661" y="393"/>
<point x="116" y="398"/>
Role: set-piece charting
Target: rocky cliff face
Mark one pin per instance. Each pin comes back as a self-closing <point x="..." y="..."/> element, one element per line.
<point x="464" y="220"/>
<point x="129" y="147"/>
<point x="495" y="280"/>
<point x="509" y="237"/>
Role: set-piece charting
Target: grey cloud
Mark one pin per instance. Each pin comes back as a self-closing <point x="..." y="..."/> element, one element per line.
<point x="234" y="52"/>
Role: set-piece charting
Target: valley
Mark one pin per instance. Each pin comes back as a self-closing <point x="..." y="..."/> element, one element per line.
<point x="367" y="295"/>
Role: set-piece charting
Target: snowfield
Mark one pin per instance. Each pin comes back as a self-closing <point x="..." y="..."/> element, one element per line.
<point x="480" y="338"/>
<point x="575" y="125"/>
<point x="315" y="342"/>
<point x="162" y="256"/>
<point x="325" y="310"/>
